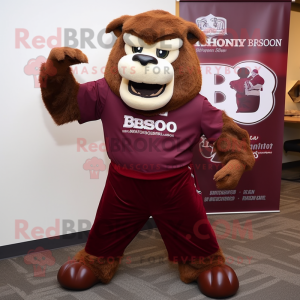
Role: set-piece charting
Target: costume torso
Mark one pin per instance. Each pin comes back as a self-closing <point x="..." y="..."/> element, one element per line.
<point x="148" y="144"/>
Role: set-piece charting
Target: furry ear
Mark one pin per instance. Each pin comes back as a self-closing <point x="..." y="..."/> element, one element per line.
<point x="116" y="25"/>
<point x="194" y="34"/>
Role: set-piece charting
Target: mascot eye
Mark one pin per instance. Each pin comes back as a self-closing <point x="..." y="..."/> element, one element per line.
<point x="137" y="49"/>
<point x="162" y="53"/>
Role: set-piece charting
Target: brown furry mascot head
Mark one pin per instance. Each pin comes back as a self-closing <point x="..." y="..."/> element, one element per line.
<point x="153" y="65"/>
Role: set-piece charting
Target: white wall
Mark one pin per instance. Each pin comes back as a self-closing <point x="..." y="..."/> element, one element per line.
<point x="42" y="175"/>
<point x="292" y="131"/>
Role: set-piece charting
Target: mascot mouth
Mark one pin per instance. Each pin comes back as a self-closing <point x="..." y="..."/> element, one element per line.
<point x="145" y="90"/>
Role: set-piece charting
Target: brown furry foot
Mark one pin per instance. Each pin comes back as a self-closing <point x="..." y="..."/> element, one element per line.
<point x="219" y="282"/>
<point x="190" y="271"/>
<point x="104" y="269"/>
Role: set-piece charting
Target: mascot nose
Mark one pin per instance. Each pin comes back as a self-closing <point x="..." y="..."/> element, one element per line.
<point x="145" y="59"/>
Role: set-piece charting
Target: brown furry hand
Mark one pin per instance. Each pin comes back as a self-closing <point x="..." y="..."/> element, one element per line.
<point x="62" y="53"/>
<point x="228" y="177"/>
<point x="58" y="86"/>
<point x="60" y="59"/>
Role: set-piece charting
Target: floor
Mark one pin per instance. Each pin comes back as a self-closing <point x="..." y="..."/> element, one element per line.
<point x="267" y="263"/>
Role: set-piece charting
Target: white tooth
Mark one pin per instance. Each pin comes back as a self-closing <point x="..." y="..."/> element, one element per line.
<point x="135" y="90"/>
<point x="157" y="92"/>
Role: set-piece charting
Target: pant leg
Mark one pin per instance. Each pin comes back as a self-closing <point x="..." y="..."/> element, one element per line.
<point x="182" y="221"/>
<point x="120" y="216"/>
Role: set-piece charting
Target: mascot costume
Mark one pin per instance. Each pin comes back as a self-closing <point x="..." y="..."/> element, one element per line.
<point x="152" y="115"/>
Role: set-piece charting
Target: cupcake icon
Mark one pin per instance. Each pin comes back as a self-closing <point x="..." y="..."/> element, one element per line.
<point x="33" y="69"/>
<point x="94" y="165"/>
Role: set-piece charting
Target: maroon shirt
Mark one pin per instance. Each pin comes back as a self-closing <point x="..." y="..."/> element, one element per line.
<point x="148" y="144"/>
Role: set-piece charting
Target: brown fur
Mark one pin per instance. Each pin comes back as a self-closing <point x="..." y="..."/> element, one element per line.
<point x="190" y="271"/>
<point x="234" y="143"/>
<point x="58" y="85"/>
<point x="154" y="26"/>
<point x="229" y="176"/>
<point x="233" y="149"/>
<point x="104" y="269"/>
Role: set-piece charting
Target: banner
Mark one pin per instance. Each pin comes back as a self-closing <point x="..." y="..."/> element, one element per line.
<point x="244" y="73"/>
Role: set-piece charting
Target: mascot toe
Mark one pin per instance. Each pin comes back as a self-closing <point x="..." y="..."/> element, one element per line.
<point x="153" y="115"/>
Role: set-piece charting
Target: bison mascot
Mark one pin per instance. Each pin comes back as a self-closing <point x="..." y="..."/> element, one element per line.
<point x="152" y="116"/>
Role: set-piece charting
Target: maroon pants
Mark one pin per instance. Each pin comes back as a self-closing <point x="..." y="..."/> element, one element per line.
<point x="174" y="204"/>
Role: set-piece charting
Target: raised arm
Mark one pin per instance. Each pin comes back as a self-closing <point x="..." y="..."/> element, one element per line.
<point x="58" y="85"/>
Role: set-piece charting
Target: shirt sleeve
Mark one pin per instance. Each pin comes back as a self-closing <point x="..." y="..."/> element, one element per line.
<point x="211" y="121"/>
<point x="91" y="100"/>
